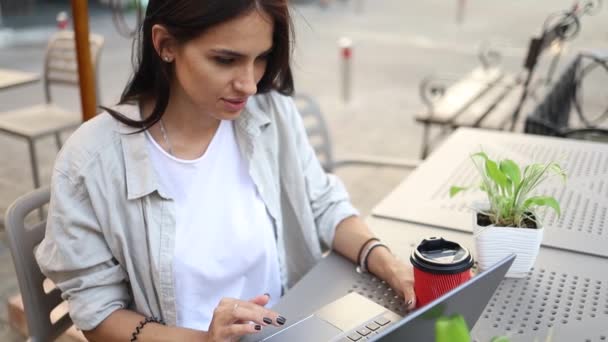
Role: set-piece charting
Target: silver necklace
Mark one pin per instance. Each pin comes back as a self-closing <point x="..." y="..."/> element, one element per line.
<point x="163" y="131"/>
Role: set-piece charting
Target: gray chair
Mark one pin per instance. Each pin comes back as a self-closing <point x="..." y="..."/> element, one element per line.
<point x="320" y="139"/>
<point x="22" y="241"/>
<point x="39" y="121"/>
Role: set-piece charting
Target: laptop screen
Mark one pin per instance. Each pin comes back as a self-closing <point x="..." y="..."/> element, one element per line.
<point x="468" y="300"/>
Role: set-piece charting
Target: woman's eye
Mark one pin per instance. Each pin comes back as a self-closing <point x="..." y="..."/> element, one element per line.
<point x="224" y="60"/>
<point x="264" y="57"/>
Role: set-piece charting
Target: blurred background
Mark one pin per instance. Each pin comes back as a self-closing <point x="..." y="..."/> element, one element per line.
<point x="395" y="44"/>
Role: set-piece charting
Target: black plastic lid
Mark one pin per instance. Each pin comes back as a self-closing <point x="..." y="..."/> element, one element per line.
<point x="440" y="256"/>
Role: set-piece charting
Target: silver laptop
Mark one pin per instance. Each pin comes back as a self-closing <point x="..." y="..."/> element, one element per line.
<point x="356" y="318"/>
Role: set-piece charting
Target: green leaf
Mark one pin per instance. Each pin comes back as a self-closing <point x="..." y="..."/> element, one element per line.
<point x="500" y="339"/>
<point x="555" y="168"/>
<point x="543" y="201"/>
<point x="456" y="189"/>
<point x="495" y="174"/>
<point x="509" y="187"/>
<point x="480" y="154"/>
<point x="511" y="170"/>
<point x="452" y="329"/>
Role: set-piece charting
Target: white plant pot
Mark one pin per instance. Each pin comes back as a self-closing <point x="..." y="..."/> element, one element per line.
<point x="495" y="243"/>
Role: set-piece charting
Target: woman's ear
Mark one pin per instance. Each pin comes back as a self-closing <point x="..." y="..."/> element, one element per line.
<point x="164" y="44"/>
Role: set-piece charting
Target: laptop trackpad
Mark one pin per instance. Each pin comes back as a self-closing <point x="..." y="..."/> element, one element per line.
<point x="309" y="329"/>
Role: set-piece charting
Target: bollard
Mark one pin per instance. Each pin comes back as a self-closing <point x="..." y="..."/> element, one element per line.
<point x="346" y="57"/>
<point x="62" y="20"/>
<point x="460" y="11"/>
<point x="359" y="6"/>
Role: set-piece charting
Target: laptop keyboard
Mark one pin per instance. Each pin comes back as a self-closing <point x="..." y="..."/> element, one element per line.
<point x="368" y="329"/>
<point x="379" y="292"/>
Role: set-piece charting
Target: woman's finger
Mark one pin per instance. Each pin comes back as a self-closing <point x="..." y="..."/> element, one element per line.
<point x="261" y="299"/>
<point x="237" y="330"/>
<point x="225" y="311"/>
<point x="410" y="297"/>
<point x="247" y="311"/>
<point x="246" y="315"/>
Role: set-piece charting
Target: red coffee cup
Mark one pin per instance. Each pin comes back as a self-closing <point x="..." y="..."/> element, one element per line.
<point x="439" y="266"/>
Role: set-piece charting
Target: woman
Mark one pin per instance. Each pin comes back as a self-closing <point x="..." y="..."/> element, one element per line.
<point x="184" y="212"/>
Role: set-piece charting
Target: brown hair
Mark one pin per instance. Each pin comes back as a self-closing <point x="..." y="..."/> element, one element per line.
<point x="186" y="20"/>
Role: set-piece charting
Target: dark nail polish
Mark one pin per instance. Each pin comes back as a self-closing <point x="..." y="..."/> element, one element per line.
<point x="267" y="320"/>
<point x="281" y="320"/>
<point x="258" y="327"/>
<point x="267" y="295"/>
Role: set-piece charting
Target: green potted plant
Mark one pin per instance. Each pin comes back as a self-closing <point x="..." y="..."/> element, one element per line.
<point x="454" y="328"/>
<point x="508" y="221"/>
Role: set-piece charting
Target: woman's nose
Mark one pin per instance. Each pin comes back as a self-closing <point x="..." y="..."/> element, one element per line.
<point x="246" y="83"/>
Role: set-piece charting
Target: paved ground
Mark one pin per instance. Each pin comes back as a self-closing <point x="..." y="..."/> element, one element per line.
<point x="396" y="43"/>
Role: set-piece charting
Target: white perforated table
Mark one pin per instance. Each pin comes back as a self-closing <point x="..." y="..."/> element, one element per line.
<point x="583" y="227"/>
<point x="565" y="295"/>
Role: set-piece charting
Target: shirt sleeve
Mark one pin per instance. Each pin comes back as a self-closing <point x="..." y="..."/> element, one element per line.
<point x="328" y="197"/>
<point x="76" y="257"/>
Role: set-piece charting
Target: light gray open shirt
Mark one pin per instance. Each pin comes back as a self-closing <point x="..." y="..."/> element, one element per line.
<point x="109" y="240"/>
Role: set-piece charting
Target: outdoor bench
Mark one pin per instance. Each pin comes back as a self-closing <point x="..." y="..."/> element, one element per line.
<point x="486" y="97"/>
<point x="490" y="97"/>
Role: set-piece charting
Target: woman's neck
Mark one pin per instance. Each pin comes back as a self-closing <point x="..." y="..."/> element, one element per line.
<point x="187" y="121"/>
<point x="188" y="131"/>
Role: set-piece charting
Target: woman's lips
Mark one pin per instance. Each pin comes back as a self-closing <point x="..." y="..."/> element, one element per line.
<point x="234" y="105"/>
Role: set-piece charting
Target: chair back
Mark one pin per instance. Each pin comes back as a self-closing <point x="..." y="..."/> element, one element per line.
<point x="22" y="241"/>
<point x="316" y="129"/>
<point x="552" y="115"/>
<point x="61" y="64"/>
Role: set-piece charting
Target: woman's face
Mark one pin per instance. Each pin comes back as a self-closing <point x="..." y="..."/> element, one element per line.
<point x="219" y="70"/>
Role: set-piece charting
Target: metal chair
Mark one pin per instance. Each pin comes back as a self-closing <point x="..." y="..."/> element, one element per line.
<point x="39" y="121"/>
<point x="552" y="116"/>
<point x="22" y="240"/>
<point x="320" y="139"/>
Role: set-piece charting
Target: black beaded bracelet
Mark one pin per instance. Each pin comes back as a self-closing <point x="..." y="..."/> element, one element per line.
<point x="141" y="325"/>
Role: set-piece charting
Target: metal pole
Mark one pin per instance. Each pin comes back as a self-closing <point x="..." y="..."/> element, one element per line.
<point x="80" y="13"/>
<point x="522" y="99"/>
<point x="460" y="9"/>
<point x="359" y="6"/>
<point x="346" y="56"/>
<point x="553" y="66"/>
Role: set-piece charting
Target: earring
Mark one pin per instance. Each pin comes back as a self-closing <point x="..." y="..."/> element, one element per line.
<point x="167" y="59"/>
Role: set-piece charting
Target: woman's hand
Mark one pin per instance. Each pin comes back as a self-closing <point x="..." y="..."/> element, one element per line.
<point x="351" y="234"/>
<point x="395" y="272"/>
<point x="234" y="318"/>
<point x="401" y="279"/>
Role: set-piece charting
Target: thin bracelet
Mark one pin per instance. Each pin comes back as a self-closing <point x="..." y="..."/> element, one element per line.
<point x="359" y="260"/>
<point x="366" y="253"/>
<point x="141" y="325"/>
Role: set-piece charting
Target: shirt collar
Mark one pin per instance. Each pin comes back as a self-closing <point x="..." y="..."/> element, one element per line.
<point x="139" y="172"/>
<point x="253" y="119"/>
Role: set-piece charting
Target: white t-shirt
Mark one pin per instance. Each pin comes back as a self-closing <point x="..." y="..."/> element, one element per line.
<point x="225" y="243"/>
